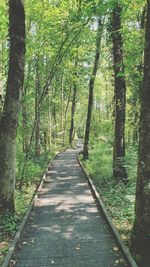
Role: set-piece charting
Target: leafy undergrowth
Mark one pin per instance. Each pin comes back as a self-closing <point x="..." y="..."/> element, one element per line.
<point x="118" y="198"/>
<point x="9" y="223"/>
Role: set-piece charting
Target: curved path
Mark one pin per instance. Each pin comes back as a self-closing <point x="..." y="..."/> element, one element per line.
<point x="65" y="228"/>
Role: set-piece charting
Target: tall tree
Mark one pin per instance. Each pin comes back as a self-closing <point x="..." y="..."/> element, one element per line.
<point x="65" y="117"/>
<point x="141" y="233"/>
<point x="9" y="118"/>
<point x="138" y="78"/>
<point x="37" y="111"/>
<point x="91" y="88"/>
<point x="25" y="130"/>
<point x="73" y="107"/>
<point x="119" y="169"/>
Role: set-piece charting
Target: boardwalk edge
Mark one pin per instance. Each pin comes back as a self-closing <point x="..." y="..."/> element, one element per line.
<point x="102" y="206"/>
<point x="14" y="243"/>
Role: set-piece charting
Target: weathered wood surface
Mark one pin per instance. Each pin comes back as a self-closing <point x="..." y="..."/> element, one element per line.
<point x="65" y="228"/>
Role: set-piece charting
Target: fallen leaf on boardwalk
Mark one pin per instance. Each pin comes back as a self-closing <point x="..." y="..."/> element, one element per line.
<point x="77" y="246"/>
<point x="115" y="248"/>
<point x="12" y="263"/>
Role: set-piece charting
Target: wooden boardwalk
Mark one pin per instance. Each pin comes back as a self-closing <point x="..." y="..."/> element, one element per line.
<point x="65" y="228"/>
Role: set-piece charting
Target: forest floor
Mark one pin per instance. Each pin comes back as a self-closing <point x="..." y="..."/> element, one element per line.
<point x="118" y="198"/>
<point x="9" y="223"/>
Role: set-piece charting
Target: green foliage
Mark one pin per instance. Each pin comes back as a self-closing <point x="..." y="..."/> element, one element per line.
<point x="34" y="167"/>
<point x="119" y="199"/>
<point x="10" y="223"/>
<point x="8" y="227"/>
<point x="3" y="49"/>
<point x="100" y="153"/>
<point x="58" y="32"/>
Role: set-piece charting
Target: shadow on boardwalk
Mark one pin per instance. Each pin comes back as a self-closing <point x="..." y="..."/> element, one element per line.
<point x="65" y="228"/>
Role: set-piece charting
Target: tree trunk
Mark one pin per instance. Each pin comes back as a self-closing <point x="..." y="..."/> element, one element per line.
<point x="91" y="88"/>
<point x="65" y="117"/>
<point x="49" y="126"/>
<point x="138" y="84"/>
<point x="9" y="119"/>
<point x="72" y="113"/>
<point x="54" y="117"/>
<point x="135" y="126"/>
<point x="119" y="169"/>
<point x="25" y="136"/>
<point x="141" y="233"/>
<point x="25" y="132"/>
<point x="37" y="113"/>
<point x="62" y="107"/>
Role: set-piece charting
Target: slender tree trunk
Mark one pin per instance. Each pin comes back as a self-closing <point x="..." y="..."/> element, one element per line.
<point x="65" y="118"/>
<point x="141" y="228"/>
<point x="25" y="136"/>
<point x="9" y="119"/>
<point x="91" y="88"/>
<point x="37" y="113"/>
<point x="138" y="83"/>
<point x="72" y="113"/>
<point x="54" y="121"/>
<point x="54" y="117"/>
<point x="49" y="126"/>
<point x="119" y="169"/>
<point x="25" y="132"/>
<point x="62" y="104"/>
<point x="135" y="126"/>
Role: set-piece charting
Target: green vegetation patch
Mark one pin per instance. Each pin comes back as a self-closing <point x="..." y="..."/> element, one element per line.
<point x="119" y="198"/>
<point x="9" y="223"/>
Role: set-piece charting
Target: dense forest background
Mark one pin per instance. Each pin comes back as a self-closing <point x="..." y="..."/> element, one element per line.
<point x="83" y="78"/>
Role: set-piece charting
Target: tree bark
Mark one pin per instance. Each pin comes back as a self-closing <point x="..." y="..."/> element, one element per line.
<point x="62" y="103"/>
<point x="138" y="83"/>
<point x="25" y="136"/>
<point x="49" y="126"/>
<point x="65" y="117"/>
<point x="54" y="117"/>
<point x="9" y="119"/>
<point x="72" y="113"/>
<point x="119" y="170"/>
<point x="37" y="113"/>
<point x="91" y="88"/>
<point x="141" y="233"/>
<point x="25" y="132"/>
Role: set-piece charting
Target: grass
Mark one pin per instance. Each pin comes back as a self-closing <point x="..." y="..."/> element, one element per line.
<point x="119" y="198"/>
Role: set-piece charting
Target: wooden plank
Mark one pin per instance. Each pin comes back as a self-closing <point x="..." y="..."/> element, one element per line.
<point x="76" y="259"/>
<point x="18" y="234"/>
<point x="65" y="228"/>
